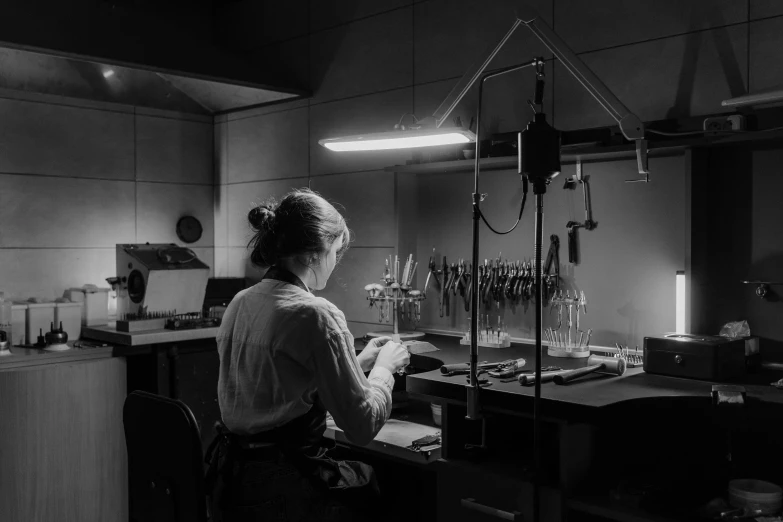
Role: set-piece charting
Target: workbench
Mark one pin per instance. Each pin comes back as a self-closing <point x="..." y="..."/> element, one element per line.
<point x="647" y="411"/>
<point x="662" y="420"/>
<point x="181" y="364"/>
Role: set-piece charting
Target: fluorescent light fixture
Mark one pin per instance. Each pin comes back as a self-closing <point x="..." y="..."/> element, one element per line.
<point x="108" y="73"/>
<point x="399" y="139"/>
<point x="760" y="98"/>
<point x="680" y="307"/>
<point x="630" y="124"/>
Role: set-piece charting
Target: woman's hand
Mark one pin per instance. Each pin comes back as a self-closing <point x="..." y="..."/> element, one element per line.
<point x="370" y="353"/>
<point x="393" y="356"/>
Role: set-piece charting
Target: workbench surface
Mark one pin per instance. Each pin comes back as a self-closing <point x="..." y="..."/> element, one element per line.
<point x="110" y="334"/>
<point x="28" y="357"/>
<point x="588" y="393"/>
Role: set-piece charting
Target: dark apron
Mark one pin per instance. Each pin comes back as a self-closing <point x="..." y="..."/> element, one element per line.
<point x="297" y="445"/>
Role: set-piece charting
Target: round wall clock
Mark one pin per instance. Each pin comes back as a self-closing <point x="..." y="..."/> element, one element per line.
<point x="189" y="229"/>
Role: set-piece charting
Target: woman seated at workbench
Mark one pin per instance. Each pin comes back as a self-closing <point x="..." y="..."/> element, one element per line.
<point x="286" y="357"/>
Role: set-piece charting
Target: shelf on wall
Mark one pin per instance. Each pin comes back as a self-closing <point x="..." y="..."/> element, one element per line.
<point x="572" y="154"/>
<point x="510" y="162"/>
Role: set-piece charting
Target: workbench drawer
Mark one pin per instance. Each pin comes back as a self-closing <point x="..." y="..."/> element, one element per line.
<point x="470" y="493"/>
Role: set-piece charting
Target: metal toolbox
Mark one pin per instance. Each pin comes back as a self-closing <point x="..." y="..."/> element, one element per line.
<point x="702" y="357"/>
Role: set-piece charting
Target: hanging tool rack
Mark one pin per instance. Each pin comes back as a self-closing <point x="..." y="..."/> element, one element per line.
<point x="508" y="282"/>
<point x="395" y="297"/>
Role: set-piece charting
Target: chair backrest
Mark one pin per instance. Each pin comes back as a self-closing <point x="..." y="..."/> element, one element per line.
<point x="165" y="460"/>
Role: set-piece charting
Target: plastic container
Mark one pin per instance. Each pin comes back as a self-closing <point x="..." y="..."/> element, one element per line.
<point x="40" y="317"/>
<point x="70" y="315"/>
<point x="755" y="496"/>
<point x="95" y="311"/>
<point x="18" y="323"/>
<point x="436" y="413"/>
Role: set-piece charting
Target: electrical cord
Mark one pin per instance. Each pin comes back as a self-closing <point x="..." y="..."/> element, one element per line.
<point x="519" y="218"/>
<point x="399" y="123"/>
<point x="478" y="145"/>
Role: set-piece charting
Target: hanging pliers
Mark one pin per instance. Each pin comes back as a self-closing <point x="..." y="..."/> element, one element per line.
<point x="432" y="273"/>
<point x="489" y="286"/>
<point x="457" y="269"/>
<point x="508" y="289"/>
<point x="444" y="288"/>
<point x="463" y="283"/>
<point x="552" y="258"/>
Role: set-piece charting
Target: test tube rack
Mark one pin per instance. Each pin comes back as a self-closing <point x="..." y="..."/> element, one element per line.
<point x="633" y="358"/>
<point x="487" y="337"/>
<point x="568" y="344"/>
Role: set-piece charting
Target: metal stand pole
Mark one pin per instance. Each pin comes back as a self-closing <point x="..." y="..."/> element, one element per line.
<point x="537" y="397"/>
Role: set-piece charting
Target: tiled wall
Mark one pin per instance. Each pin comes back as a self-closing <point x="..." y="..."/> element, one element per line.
<point x="78" y="177"/>
<point x="368" y="63"/>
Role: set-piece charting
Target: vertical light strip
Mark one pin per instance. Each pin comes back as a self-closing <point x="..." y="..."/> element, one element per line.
<point x="680" y="305"/>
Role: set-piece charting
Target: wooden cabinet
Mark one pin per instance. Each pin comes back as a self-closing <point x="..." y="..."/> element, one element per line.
<point x="62" y="444"/>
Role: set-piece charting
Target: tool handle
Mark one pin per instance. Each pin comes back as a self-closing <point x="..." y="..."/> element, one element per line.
<point x="530" y="378"/>
<point x="569" y="376"/>
<point x="572" y="254"/>
<point x="472" y="505"/>
<point x="448" y="368"/>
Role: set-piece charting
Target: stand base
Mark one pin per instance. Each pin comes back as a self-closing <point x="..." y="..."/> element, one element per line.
<point x="504" y="344"/>
<point x="57" y="348"/>
<point x="404" y="336"/>
<point x="553" y="351"/>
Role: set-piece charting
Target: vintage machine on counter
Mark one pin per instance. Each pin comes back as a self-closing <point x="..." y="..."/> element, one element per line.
<point x="159" y="279"/>
<point x="703" y="357"/>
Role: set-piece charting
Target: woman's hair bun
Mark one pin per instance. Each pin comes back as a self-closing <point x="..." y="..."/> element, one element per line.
<point x="262" y="217"/>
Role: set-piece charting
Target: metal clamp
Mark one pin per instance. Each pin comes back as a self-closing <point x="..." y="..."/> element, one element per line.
<point x="762" y="290"/>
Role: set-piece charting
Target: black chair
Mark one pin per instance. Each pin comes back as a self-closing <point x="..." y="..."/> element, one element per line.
<point x="165" y="460"/>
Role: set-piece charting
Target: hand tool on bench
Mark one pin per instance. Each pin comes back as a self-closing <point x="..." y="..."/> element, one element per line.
<point x="507" y="369"/>
<point x="447" y="369"/>
<point x="547" y="375"/>
<point x="595" y="363"/>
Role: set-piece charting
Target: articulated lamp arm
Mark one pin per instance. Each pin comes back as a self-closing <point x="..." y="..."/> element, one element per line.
<point x="630" y="125"/>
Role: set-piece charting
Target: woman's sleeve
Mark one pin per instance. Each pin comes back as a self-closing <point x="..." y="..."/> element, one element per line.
<point x="359" y="405"/>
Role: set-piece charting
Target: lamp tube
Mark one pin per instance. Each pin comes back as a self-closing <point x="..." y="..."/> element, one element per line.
<point x="680" y="302"/>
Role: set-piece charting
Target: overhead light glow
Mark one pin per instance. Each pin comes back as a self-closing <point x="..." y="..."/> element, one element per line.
<point x="399" y="140"/>
<point x="680" y="307"/>
<point x="108" y="73"/>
